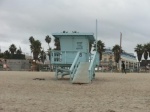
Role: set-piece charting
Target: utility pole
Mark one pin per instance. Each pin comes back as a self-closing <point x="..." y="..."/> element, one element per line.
<point x="43" y="56"/>
<point x="96" y="41"/>
<point x="120" y="43"/>
<point x="0" y="49"/>
<point x="120" y="49"/>
<point x="96" y="35"/>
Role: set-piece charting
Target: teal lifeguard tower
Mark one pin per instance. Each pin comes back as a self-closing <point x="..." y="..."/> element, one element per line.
<point x="74" y="58"/>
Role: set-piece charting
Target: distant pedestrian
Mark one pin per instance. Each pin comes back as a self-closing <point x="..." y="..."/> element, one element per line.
<point x="5" y="66"/>
<point x="123" y="67"/>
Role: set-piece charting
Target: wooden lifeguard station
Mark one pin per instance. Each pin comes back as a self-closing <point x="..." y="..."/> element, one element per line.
<point x="74" y="58"/>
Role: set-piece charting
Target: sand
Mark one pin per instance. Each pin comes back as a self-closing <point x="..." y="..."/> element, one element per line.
<point x="109" y="92"/>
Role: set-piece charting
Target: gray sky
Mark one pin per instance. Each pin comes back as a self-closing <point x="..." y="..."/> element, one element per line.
<point x="20" y="19"/>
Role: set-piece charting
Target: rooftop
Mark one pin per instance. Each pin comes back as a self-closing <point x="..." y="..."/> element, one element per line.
<point x="131" y="55"/>
<point x="75" y="34"/>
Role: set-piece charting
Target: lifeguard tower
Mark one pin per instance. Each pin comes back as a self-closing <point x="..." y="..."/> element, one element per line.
<point x="74" y="58"/>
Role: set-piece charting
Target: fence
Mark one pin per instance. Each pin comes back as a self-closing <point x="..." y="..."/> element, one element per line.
<point x="18" y="65"/>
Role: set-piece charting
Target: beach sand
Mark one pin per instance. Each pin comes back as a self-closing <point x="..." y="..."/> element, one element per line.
<point x="109" y="92"/>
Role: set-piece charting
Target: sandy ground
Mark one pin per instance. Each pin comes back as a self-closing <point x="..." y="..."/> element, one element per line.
<point x="109" y="92"/>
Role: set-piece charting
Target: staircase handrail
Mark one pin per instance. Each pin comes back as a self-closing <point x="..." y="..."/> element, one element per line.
<point x="74" y="65"/>
<point x="92" y="66"/>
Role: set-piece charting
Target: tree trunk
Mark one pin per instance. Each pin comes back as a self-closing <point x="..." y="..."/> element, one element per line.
<point x="50" y="66"/>
<point x="116" y="66"/>
<point x="145" y="65"/>
<point x="138" y="67"/>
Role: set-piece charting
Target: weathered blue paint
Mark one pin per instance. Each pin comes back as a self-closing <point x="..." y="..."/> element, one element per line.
<point x="74" y="49"/>
<point x="70" y="44"/>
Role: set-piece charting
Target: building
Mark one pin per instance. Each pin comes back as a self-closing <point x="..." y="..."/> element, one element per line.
<point x="108" y="62"/>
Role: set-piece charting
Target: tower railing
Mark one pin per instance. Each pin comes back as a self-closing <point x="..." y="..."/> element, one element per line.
<point x="75" y="65"/>
<point x="92" y="66"/>
<point x="62" y="57"/>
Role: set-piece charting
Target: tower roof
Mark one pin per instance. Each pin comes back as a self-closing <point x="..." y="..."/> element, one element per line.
<point x="89" y="36"/>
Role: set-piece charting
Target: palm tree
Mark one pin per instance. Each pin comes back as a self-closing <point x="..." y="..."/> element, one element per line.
<point x="31" y="39"/>
<point x="42" y="56"/>
<point x="35" y="47"/>
<point x="116" y="49"/>
<point x="19" y="51"/>
<point x="90" y="46"/>
<point x="100" y="48"/>
<point x="7" y="54"/>
<point x="1" y="55"/>
<point x="139" y="50"/>
<point x="148" y="48"/>
<point x="145" y="47"/>
<point x="57" y="43"/>
<point x="12" y="48"/>
<point x="48" y="40"/>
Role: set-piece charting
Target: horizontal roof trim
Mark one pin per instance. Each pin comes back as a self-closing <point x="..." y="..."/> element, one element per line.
<point x="89" y="35"/>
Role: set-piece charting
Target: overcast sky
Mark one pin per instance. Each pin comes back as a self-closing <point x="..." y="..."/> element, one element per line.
<point x="20" y="19"/>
